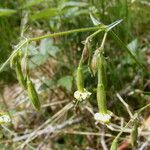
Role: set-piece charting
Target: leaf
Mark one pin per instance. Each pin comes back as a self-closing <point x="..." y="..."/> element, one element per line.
<point x="72" y="4"/>
<point x="94" y="20"/>
<point x="47" y="47"/>
<point x="118" y="40"/>
<point x="66" y="82"/>
<point x="46" y="13"/>
<point x="112" y="25"/>
<point x="47" y="84"/>
<point x="133" y="45"/>
<point x="37" y="60"/>
<point x="31" y="3"/>
<point x="6" y="12"/>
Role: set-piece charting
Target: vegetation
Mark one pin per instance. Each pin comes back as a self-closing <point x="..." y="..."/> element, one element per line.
<point x="74" y="74"/>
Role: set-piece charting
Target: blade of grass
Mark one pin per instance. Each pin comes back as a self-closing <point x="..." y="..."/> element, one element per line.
<point x="119" y="41"/>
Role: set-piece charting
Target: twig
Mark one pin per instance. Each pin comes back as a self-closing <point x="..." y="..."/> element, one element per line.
<point x="50" y="129"/>
<point x="103" y="140"/>
<point x="33" y="135"/>
<point x="125" y="104"/>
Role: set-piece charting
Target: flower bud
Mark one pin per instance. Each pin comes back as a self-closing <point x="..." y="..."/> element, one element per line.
<point x="94" y="62"/>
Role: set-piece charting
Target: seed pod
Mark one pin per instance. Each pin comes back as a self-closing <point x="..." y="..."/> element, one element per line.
<point x="33" y="96"/>
<point x="114" y="145"/>
<point x="134" y="133"/>
<point x="101" y="64"/>
<point x="20" y="75"/>
<point x="80" y="79"/>
<point x="101" y="93"/>
<point x="101" y="99"/>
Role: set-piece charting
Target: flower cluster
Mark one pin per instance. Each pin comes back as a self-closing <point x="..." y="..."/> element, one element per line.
<point x="81" y="96"/>
<point x="103" y="118"/>
<point x="4" y="119"/>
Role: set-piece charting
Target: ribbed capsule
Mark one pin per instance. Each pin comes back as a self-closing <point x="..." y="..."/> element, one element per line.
<point x="101" y="65"/>
<point x="114" y="145"/>
<point x="20" y="75"/>
<point x="101" y="93"/>
<point x="80" y="79"/>
<point x="134" y="133"/>
<point x="33" y="96"/>
<point x="15" y="62"/>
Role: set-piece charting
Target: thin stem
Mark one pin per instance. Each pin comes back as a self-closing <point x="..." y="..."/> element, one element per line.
<point x="66" y="33"/>
<point x="13" y="53"/>
<point x="103" y="42"/>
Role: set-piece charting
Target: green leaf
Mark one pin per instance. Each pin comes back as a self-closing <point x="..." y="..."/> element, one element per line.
<point x="133" y="45"/>
<point x="47" y="47"/>
<point x="118" y="40"/>
<point x="37" y="60"/>
<point x="72" y="4"/>
<point x="31" y="3"/>
<point x="66" y="82"/>
<point x="94" y="20"/>
<point x="46" y="13"/>
<point x="6" y="12"/>
<point x="47" y="84"/>
<point x="112" y="25"/>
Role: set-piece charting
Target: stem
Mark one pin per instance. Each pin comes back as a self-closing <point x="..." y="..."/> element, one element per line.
<point x="13" y="53"/>
<point x="66" y="33"/>
<point x="103" y="42"/>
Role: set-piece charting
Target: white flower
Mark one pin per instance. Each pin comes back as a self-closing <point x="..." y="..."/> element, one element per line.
<point x="82" y="95"/>
<point x="4" y="119"/>
<point x="104" y="118"/>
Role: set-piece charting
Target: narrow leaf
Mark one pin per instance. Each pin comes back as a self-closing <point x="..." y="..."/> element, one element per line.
<point x="94" y="20"/>
<point x="6" y="12"/>
<point x="112" y="25"/>
<point x="31" y="3"/>
<point x="47" y="13"/>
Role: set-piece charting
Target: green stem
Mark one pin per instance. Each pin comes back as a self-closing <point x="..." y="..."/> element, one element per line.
<point x="101" y="48"/>
<point x="13" y="53"/>
<point x="67" y="32"/>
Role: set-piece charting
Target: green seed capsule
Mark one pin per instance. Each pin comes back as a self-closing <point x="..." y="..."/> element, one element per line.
<point x="114" y="145"/>
<point x="101" y="99"/>
<point x="80" y="79"/>
<point x="101" y="93"/>
<point x="20" y="75"/>
<point x="134" y="133"/>
<point x="33" y="96"/>
<point x="101" y="64"/>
